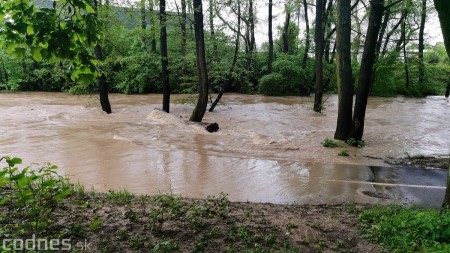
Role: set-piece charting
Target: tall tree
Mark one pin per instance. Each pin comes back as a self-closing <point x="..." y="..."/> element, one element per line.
<point x="229" y="77"/>
<point x="319" y="41"/>
<point x="443" y="9"/>
<point x="102" y="84"/>
<point x="202" y="102"/>
<point x="164" y="56"/>
<point x="285" y="34"/>
<point x="153" y="25"/>
<point x="183" y="28"/>
<point x="307" y="39"/>
<point x="344" y="70"/>
<point x="211" y="28"/>
<point x="423" y="17"/>
<point x="270" y="18"/>
<point x="143" y="22"/>
<point x="366" y="69"/>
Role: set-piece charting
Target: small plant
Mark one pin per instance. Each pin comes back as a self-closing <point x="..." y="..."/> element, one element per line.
<point x="95" y="224"/>
<point x="120" y="197"/>
<point x="356" y="143"/>
<point x="165" y="246"/>
<point x="329" y="143"/>
<point x="343" y="153"/>
<point x="292" y="225"/>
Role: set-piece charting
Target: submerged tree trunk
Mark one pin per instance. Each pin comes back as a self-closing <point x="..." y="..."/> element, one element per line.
<point x="366" y="70"/>
<point x="102" y="84"/>
<point x="319" y="41"/>
<point x="307" y="39"/>
<point x="164" y="57"/>
<point x="233" y="64"/>
<point x="202" y="102"/>
<point x="270" y="60"/>
<point x="423" y="18"/>
<point x="344" y="70"/>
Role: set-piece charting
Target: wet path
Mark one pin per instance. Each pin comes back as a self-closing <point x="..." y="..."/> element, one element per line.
<point x="267" y="150"/>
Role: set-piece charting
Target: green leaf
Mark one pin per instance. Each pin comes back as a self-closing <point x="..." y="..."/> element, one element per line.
<point x="49" y="182"/>
<point x="10" y="47"/>
<point x="4" y="200"/>
<point x="23" y="182"/>
<point x="20" y="53"/>
<point x="30" y="30"/>
<point x="36" y="53"/>
<point x="90" y="9"/>
<point x="16" y="160"/>
<point x="62" y="195"/>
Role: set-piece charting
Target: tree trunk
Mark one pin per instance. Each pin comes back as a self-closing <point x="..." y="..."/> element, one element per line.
<point x="307" y="39"/>
<point x="357" y="40"/>
<point x="285" y="35"/>
<point x="102" y="84"/>
<point x="319" y="41"/>
<point x="344" y="70"/>
<point x="423" y="18"/>
<point x="153" y="27"/>
<point x="366" y="70"/>
<point x="251" y="20"/>
<point x="183" y="27"/>
<point x="446" y="203"/>
<point x="143" y="23"/>
<point x="390" y="33"/>
<point x="233" y="64"/>
<point x="405" y="56"/>
<point x="164" y="57"/>
<point x="443" y="9"/>
<point x="202" y="102"/>
<point x="211" y="29"/>
<point x="270" y="61"/>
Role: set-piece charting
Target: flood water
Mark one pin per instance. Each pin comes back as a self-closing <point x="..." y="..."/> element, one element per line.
<point x="268" y="149"/>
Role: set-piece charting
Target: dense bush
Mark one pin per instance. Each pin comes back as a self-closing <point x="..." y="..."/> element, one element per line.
<point x="288" y="78"/>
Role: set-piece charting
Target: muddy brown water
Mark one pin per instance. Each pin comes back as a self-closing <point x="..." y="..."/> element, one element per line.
<point x="268" y="149"/>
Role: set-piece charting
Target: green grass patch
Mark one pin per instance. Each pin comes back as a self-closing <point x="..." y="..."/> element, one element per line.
<point x="329" y="143"/>
<point x="402" y="229"/>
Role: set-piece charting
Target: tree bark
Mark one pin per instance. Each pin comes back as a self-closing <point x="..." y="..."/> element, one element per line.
<point x="164" y="57"/>
<point x="211" y="28"/>
<point x="366" y="69"/>
<point x="423" y="17"/>
<point x="183" y="28"/>
<point x="153" y="27"/>
<point x="405" y="56"/>
<point x="443" y="9"/>
<point x="102" y="84"/>
<point x="319" y="41"/>
<point x="307" y="39"/>
<point x="285" y="35"/>
<point x="270" y="60"/>
<point x="202" y="102"/>
<point x="344" y="70"/>
<point x="143" y="23"/>
<point x="251" y="20"/>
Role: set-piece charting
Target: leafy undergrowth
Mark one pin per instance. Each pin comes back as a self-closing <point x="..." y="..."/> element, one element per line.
<point x="402" y="229"/>
<point x="40" y="207"/>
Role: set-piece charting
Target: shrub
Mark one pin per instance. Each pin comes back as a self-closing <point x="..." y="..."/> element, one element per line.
<point x="328" y="143"/>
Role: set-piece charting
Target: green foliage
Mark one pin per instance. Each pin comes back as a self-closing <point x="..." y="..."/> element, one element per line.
<point x="329" y="143"/>
<point x="403" y="229"/>
<point x="288" y="78"/>
<point x="343" y="153"/>
<point x="356" y="143"/>
<point x="68" y="31"/>
<point x="34" y="191"/>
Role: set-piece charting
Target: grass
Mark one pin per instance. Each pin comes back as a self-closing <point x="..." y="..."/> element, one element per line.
<point x="343" y="153"/>
<point x="329" y="143"/>
<point x="403" y="229"/>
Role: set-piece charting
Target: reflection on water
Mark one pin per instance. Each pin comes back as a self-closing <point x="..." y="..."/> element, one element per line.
<point x="267" y="149"/>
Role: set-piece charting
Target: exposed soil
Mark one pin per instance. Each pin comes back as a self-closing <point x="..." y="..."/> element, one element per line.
<point x="123" y="223"/>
